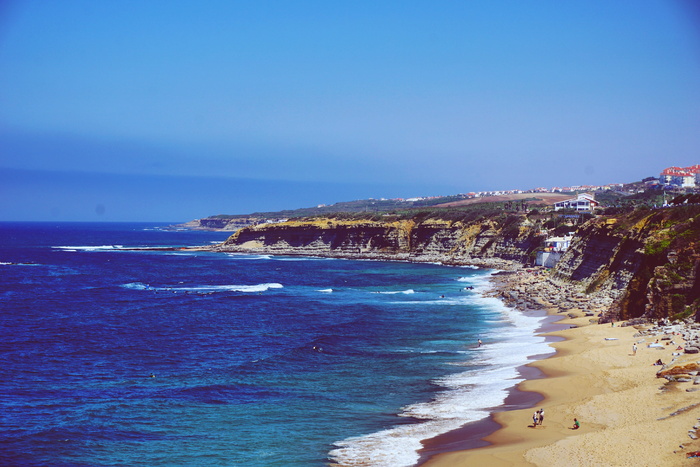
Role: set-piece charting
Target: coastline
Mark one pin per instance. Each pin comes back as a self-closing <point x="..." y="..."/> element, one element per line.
<point x="628" y="415"/>
<point x="472" y="435"/>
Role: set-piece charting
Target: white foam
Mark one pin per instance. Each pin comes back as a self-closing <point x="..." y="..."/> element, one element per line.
<point x="89" y="248"/>
<point x="326" y="290"/>
<point x="299" y="258"/>
<point x="464" y="397"/>
<point x="407" y="292"/>
<point x="450" y="300"/>
<point x="207" y="288"/>
<point x="248" y="257"/>
<point x="137" y="286"/>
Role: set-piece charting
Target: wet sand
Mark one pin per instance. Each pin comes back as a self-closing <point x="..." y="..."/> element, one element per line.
<point x="628" y="416"/>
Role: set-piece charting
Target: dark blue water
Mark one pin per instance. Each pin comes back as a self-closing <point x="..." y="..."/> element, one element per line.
<point x="114" y="357"/>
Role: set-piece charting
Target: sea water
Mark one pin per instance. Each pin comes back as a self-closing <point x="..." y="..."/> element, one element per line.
<point x="110" y="356"/>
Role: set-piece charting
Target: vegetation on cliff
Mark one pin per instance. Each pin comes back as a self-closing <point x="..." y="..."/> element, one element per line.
<point x="651" y="255"/>
<point x="449" y="235"/>
<point x="647" y="258"/>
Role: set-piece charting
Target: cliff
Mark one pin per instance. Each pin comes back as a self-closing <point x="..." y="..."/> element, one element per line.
<point x="483" y="241"/>
<point x="647" y="261"/>
<point x="221" y="223"/>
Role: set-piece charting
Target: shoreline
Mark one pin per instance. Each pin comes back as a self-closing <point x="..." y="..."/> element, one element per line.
<point x="472" y="435"/>
<point x="628" y="415"/>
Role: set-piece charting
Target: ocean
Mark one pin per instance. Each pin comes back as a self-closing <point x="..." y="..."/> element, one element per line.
<point x="113" y="357"/>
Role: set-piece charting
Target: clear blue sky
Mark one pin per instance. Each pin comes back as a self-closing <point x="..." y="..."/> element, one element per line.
<point x="173" y="110"/>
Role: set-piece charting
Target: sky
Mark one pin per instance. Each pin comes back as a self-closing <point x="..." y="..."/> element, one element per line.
<point x="174" y="110"/>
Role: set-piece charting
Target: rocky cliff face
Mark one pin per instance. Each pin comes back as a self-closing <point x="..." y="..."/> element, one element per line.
<point x="647" y="260"/>
<point x="222" y="223"/>
<point x="492" y="241"/>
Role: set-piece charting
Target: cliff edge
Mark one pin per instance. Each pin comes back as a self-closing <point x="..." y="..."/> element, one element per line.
<point x="647" y="261"/>
<point x="497" y="241"/>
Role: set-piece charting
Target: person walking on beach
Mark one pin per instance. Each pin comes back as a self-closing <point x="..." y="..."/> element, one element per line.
<point x="535" y="419"/>
<point x="634" y="349"/>
<point x="541" y="416"/>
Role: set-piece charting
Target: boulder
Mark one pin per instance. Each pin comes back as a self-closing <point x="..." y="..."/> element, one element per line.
<point x="679" y="370"/>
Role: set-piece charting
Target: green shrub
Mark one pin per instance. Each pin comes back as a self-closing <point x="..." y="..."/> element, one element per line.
<point x="658" y="247"/>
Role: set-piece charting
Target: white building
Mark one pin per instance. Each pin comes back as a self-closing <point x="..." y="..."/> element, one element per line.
<point x="681" y="176"/>
<point x="558" y="243"/>
<point x="554" y="248"/>
<point x="584" y="202"/>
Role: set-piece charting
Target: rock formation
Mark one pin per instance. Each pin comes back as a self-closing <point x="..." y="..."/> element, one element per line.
<point x="486" y="242"/>
<point x="647" y="261"/>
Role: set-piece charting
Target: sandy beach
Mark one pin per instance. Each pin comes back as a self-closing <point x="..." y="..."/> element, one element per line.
<point x="628" y="415"/>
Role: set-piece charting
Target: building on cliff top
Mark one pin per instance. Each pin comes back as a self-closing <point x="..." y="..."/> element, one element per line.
<point x="687" y="177"/>
<point x="584" y="202"/>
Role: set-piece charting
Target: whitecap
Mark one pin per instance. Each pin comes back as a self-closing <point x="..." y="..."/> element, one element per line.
<point x="207" y="288"/>
<point x="136" y="286"/>
<point x="89" y="248"/>
<point x="301" y="258"/>
<point x="325" y="290"/>
<point x="248" y="257"/>
<point x="464" y="397"/>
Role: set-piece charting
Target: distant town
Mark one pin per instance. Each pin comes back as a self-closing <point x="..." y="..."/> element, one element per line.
<point x="673" y="185"/>
<point x="677" y="179"/>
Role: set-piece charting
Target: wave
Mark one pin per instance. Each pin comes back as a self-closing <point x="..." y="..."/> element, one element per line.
<point x="464" y="397"/>
<point x="244" y="256"/>
<point x="407" y="292"/>
<point x="206" y="288"/>
<point x="89" y="248"/>
<point x="325" y="290"/>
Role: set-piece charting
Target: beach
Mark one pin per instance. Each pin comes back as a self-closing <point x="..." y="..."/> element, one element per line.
<point x="628" y="415"/>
